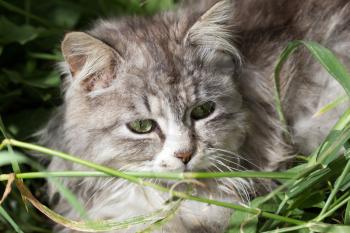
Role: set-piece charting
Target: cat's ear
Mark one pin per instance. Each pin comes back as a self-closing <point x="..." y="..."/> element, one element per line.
<point x="90" y="60"/>
<point x="212" y="34"/>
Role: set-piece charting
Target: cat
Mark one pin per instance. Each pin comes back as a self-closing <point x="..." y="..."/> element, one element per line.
<point x="192" y="90"/>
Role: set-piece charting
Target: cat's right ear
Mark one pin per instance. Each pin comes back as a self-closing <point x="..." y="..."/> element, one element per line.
<point x="91" y="62"/>
<point x="212" y="35"/>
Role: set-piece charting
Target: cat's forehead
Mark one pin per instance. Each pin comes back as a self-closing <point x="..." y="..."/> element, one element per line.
<point x="147" y="42"/>
<point x="154" y="59"/>
<point x="157" y="62"/>
<point x="150" y="85"/>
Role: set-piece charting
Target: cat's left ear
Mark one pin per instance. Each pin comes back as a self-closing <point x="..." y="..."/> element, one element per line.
<point x="212" y="35"/>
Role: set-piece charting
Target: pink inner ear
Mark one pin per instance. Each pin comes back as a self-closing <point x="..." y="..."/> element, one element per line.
<point x="76" y="63"/>
<point x="99" y="80"/>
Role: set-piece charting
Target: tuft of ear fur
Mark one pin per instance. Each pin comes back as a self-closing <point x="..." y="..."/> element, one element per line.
<point x="91" y="62"/>
<point x="212" y="34"/>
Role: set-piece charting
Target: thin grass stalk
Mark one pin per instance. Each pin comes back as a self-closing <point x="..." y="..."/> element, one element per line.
<point x="287" y="229"/>
<point x="277" y="87"/>
<point x="330" y="106"/>
<point x="8" y="218"/>
<point x="160" y="175"/>
<point x="343" y="124"/>
<point x="340" y="199"/>
<point x="15" y="165"/>
<point x="332" y="210"/>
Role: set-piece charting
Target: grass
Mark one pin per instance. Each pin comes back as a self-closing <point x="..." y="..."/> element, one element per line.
<point x="313" y="196"/>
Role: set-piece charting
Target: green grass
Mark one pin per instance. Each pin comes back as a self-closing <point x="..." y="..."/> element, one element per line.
<point x="314" y="195"/>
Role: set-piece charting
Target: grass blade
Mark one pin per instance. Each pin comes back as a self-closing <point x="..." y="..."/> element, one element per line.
<point x="8" y="218"/>
<point x="328" y="228"/>
<point x="347" y="214"/>
<point x="338" y="182"/>
<point x="331" y="105"/>
<point x="15" y="165"/>
<point x="8" y="188"/>
<point x="159" y="175"/>
<point x="338" y="136"/>
<point x="329" y="61"/>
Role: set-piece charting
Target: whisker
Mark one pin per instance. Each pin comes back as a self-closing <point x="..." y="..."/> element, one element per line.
<point x="245" y="185"/>
<point x="231" y="182"/>
<point x="232" y="162"/>
<point x="256" y="180"/>
<point x="235" y="154"/>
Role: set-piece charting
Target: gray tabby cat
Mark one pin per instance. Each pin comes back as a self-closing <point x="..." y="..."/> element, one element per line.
<point x="192" y="90"/>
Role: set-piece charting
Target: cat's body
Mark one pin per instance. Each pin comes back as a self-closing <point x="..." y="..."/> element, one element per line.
<point x="161" y="68"/>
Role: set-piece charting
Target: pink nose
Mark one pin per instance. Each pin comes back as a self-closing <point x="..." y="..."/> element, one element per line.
<point x="185" y="156"/>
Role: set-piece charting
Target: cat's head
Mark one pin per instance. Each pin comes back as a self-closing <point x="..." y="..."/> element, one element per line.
<point x="155" y="93"/>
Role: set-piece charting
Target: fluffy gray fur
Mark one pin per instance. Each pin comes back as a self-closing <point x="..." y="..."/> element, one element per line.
<point x="160" y="68"/>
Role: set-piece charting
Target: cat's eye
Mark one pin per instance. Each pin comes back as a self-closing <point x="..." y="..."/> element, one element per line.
<point x="142" y="126"/>
<point x="203" y="110"/>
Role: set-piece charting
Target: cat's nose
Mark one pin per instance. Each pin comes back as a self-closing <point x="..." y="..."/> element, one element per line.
<point x="185" y="156"/>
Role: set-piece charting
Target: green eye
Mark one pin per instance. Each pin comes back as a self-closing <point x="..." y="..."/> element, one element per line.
<point x="203" y="110"/>
<point x="142" y="126"/>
